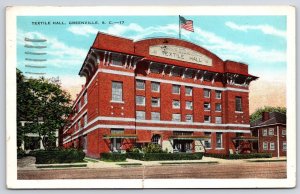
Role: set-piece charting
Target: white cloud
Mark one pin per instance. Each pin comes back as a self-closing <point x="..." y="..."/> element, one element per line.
<point x="266" y="29"/>
<point x="85" y="30"/>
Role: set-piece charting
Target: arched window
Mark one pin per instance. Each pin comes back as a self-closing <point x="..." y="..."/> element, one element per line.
<point x="155" y="139"/>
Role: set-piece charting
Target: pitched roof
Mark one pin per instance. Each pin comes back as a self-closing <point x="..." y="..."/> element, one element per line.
<point x="275" y="118"/>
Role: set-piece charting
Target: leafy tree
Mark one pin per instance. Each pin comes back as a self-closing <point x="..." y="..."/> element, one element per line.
<point x="259" y="111"/>
<point x="44" y="104"/>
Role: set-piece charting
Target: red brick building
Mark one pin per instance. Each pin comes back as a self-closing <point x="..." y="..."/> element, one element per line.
<point x="270" y="129"/>
<point x="161" y="90"/>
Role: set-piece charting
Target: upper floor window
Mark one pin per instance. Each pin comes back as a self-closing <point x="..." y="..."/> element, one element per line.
<point x="176" y="89"/>
<point x="218" y="120"/>
<point x="117" y="91"/>
<point x="218" y="107"/>
<point x="283" y="132"/>
<point x="79" y="125"/>
<point x="272" y="146"/>
<point x="140" y="84"/>
<point x="206" y="106"/>
<point x="238" y="104"/>
<point x="155" y="102"/>
<point x="85" y="118"/>
<point x="176" y="104"/>
<point x="218" y="94"/>
<point x="85" y="97"/>
<point x="189" y="105"/>
<point x="188" y="91"/>
<point x="140" y="100"/>
<point x="265" y="132"/>
<point x="116" y="60"/>
<point x="155" y="116"/>
<point x="189" y="118"/>
<point x="79" y="105"/>
<point x="284" y="146"/>
<point x="206" y="119"/>
<point x="271" y="131"/>
<point x="140" y="115"/>
<point x="176" y="117"/>
<point x="155" y="87"/>
<point x="206" y="93"/>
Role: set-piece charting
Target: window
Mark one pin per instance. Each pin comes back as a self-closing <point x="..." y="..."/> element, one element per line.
<point x="265" y="132"/>
<point x="140" y="84"/>
<point x="79" y="105"/>
<point x="238" y="104"/>
<point x="284" y="146"/>
<point x="207" y="142"/>
<point x="283" y="132"/>
<point x="155" y="116"/>
<point x="189" y="118"/>
<point x="155" y="139"/>
<point x="218" y="94"/>
<point x="79" y="125"/>
<point x="218" y="120"/>
<point x="176" y="117"/>
<point x="206" y="93"/>
<point x="265" y="145"/>
<point x="85" y="118"/>
<point x="206" y="106"/>
<point x="218" y="107"/>
<point x="140" y="100"/>
<point x="272" y="146"/>
<point x="140" y="115"/>
<point x="155" y="87"/>
<point x="271" y="131"/>
<point x="117" y="131"/>
<point x="85" y="98"/>
<point x="155" y="102"/>
<point x="189" y="105"/>
<point x="116" y="60"/>
<point x="219" y="140"/>
<point x="176" y="89"/>
<point x="176" y="104"/>
<point x="188" y="91"/>
<point x="117" y="91"/>
<point x="206" y="119"/>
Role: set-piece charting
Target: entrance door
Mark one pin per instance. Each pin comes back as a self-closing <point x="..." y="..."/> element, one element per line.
<point x="116" y="144"/>
<point x="183" y="145"/>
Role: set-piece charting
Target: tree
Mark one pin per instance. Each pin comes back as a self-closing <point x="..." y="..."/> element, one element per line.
<point x="259" y="111"/>
<point x="44" y="104"/>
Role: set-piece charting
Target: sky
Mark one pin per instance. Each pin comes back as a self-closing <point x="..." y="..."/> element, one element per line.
<point x="259" y="41"/>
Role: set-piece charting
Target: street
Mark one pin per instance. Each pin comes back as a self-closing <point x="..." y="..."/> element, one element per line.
<point x="275" y="170"/>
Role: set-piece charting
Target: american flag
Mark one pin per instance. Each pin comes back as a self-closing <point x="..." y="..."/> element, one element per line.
<point x="186" y="24"/>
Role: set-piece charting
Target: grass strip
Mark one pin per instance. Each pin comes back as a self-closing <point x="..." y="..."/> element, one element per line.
<point x="280" y="160"/>
<point x="166" y="163"/>
<point x="62" y="166"/>
<point x="129" y="164"/>
<point x="91" y="160"/>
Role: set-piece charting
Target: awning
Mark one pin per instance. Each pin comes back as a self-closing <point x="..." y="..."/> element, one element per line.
<point x="189" y="137"/>
<point x="120" y="136"/>
<point x="242" y="138"/>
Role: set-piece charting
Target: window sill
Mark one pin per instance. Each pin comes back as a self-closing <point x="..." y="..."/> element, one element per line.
<point x="219" y="148"/>
<point x="120" y="66"/>
<point x="140" y="104"/>
<point x="218" y="111"/>
<point x="121" y="102"/>
<point x="207" y="110"/>
<point x="239" y="112"/>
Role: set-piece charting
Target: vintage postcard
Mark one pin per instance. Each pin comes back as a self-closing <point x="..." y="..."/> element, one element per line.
<point x="151" y="97"/>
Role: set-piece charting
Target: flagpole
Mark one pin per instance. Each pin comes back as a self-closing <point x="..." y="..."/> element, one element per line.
<point x="179" y="28"/>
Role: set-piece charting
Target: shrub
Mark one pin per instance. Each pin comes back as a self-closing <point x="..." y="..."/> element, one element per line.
<point x="20" y="153"/>
<point x="113" y="157"/>
<point x="59" y="156"/>
<point x="164" y="156"/>
<point x="223" y="156"/>
<point x="152" y="148"/>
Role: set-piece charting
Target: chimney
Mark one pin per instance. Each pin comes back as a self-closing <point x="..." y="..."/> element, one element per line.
<point x="265" y="116"/>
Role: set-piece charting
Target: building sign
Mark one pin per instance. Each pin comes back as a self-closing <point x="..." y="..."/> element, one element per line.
<point x="180" y="53"/>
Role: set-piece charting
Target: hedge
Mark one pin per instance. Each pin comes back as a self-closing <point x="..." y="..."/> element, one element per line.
<point x="239" y="156"/>
<point x="112" y="157"/>
<point x="164" y="156"/>
<point x="59" y="156"/>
